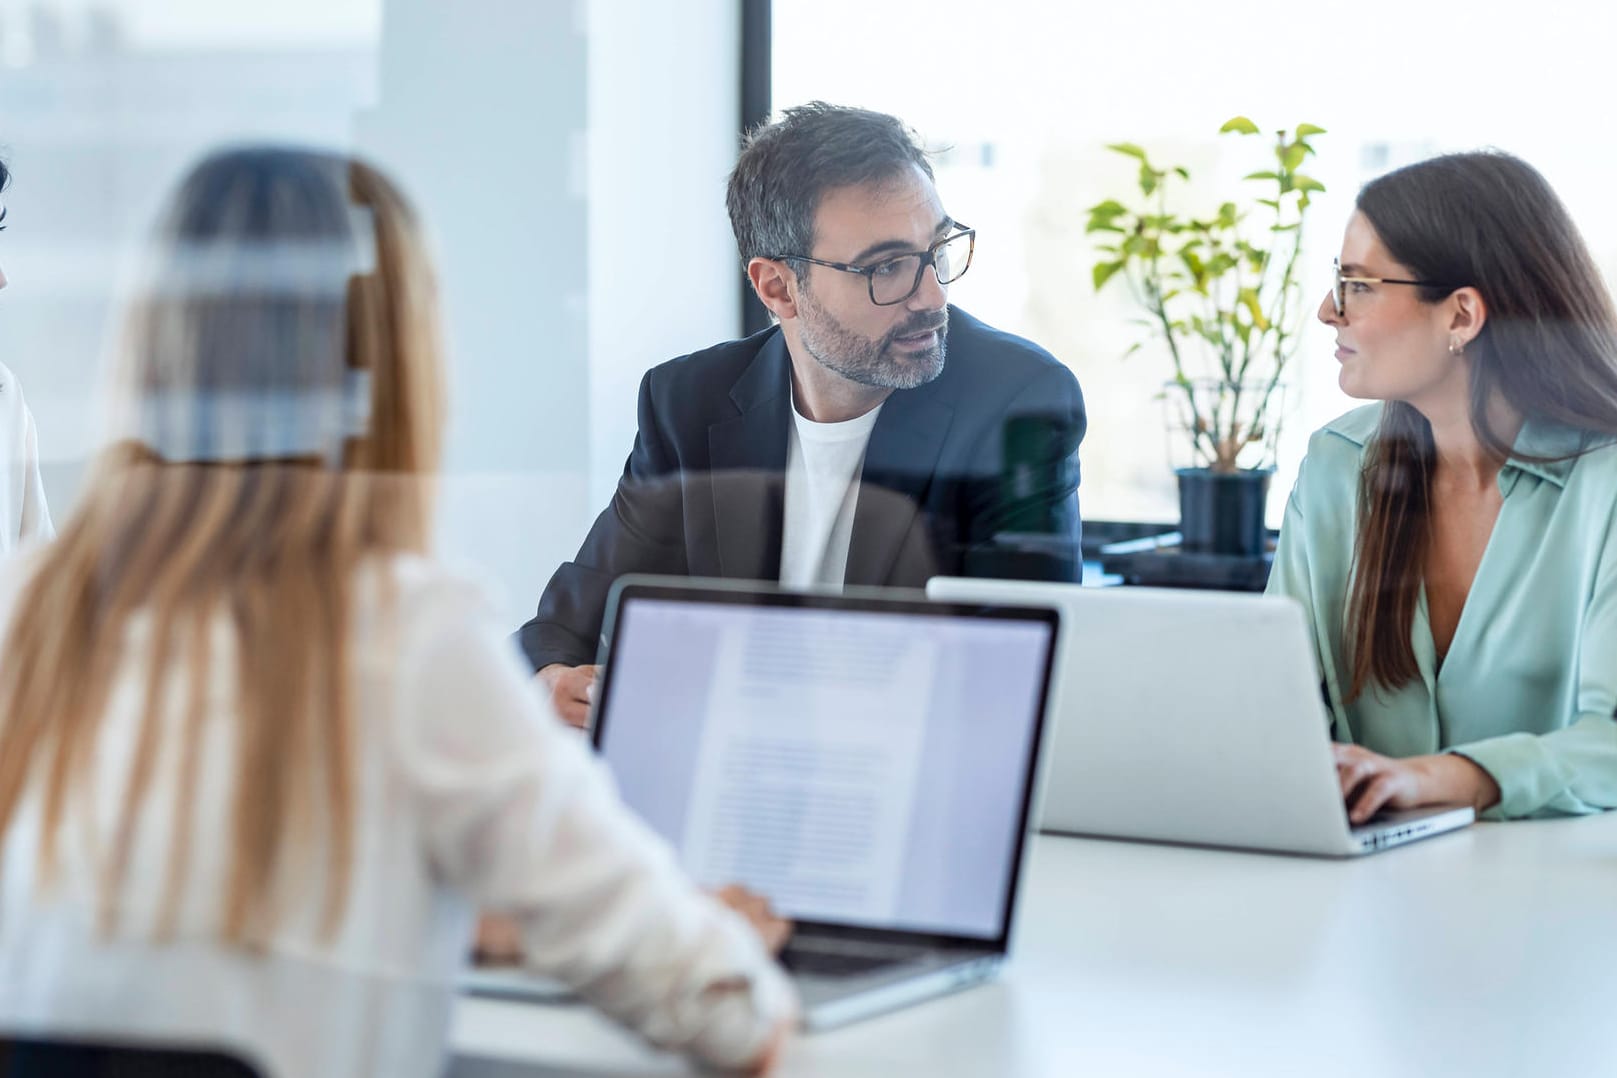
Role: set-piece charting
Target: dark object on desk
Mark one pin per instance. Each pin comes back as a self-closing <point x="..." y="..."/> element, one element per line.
<point x="1100" y="537"/>
<point x="1151" y="555"/>
<point x="1035" y="542"/>
<point x="1038" y="460"/>
<point x="28" y="1057"/>
<point x="1172" y="567"/>
<point x="1222" y="512"/>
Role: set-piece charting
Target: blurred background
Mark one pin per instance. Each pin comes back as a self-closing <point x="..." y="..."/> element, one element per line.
<point x="569" y="159"/>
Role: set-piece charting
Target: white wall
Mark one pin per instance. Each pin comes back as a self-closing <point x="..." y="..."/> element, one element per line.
<point x="664" y="107"/>
<point x="481" y="114"/>
<point x="571" y="159"/>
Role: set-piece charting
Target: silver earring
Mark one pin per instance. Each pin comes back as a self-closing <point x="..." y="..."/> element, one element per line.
<point x="1455" y="346"/>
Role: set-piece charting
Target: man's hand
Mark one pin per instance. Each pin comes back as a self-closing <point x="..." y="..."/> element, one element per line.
<point x="771" y="929"/>
<point x="571" y="689"/>
<point x="1372" y="782"/>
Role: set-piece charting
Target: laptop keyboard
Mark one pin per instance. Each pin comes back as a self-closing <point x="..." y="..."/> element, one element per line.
<point x="841" y="963"/>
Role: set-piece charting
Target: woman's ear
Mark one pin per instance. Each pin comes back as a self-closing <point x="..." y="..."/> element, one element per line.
<point x="773" y="282"/>
<point x="1469" y="313"/>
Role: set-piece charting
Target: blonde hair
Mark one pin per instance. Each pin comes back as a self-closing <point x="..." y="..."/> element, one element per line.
<point x="183" y="535"/>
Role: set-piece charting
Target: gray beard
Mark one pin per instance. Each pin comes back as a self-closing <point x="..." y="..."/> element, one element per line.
<point x="872" y="362"/>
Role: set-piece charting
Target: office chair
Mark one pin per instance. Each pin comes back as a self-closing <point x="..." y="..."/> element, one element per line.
<point x="38" y="1057"/>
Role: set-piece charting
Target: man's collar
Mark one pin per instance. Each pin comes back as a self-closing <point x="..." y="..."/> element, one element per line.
<point x="767" y="378"/>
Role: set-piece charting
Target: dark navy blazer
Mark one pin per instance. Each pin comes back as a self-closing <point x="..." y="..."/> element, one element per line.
<point x="702" y="493"/>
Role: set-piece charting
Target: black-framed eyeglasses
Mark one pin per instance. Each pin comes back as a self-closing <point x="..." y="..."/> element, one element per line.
<point x="1339" y="283"/>
<point x="894" y="280"/>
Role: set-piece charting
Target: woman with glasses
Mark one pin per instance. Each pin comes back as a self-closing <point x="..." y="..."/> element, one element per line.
<point x="260" y="759"/>
<point x="23" y="513"/>
<point x="1453" y="544"/>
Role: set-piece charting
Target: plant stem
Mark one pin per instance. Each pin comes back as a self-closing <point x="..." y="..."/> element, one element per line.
<point x="1287" y="287"/>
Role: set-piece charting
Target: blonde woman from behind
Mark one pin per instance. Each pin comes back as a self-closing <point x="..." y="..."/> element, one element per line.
<point x="261" y="760"/>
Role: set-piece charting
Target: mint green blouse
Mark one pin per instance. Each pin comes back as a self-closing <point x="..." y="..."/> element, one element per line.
<point x="1529" y="684"/>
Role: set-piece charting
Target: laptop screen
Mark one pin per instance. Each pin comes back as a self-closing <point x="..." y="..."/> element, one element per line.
<point x="859" y="762"/>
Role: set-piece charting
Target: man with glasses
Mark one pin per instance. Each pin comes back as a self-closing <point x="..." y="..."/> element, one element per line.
<point x="874" y="435"/>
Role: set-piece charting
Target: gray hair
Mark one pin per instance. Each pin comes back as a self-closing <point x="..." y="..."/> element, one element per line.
<point x="786" y="168"/>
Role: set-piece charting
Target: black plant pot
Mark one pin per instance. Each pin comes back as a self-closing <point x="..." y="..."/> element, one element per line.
<point x="1222" y="512"/>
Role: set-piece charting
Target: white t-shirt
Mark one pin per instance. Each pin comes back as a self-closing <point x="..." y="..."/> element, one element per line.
<point x="823" y="461"/>
<point x="23" y="514"/>
<point x="469" y="794"/>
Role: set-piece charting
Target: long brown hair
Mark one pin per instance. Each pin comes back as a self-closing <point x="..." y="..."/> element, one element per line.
<point x="254" y="512"/>
<point x="1548" y="348"/>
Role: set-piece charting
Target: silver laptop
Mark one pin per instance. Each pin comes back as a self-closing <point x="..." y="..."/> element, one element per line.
<point x="1196" y="717"/>
<point x="863" y="760"/>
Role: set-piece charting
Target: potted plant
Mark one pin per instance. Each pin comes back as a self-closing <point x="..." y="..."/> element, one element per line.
<point x="1221" y="292"/>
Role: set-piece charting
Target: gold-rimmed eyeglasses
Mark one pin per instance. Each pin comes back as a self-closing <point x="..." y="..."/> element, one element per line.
<point x="1339" y="284"/>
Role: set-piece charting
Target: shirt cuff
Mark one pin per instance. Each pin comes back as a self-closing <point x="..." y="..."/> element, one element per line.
<point x="1528" y="776"/>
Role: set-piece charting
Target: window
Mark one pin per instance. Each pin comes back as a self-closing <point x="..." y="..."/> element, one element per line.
<point x="1035" y="91"/>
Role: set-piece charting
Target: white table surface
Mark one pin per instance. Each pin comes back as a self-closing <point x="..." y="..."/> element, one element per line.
<point x="1488" y="952"/>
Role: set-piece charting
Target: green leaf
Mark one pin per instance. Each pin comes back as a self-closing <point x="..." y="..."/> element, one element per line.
<point x="1148" y="178"/>
<point x="1183" y="172"/>
<point x="1227" y="215"/>
<point x="1304" y="130"/>
<point x="1106" y="219"/>
<point x="1241" y="124"/>
<point x="1306" y="183"/>
<point x="1197" y="268"/>
<point x="1103" y="272"/>
<point x="1291" y="156"/>
<point x="1110" y="208"/>
<point x="1261" y="176"/>
<point x="1127" y="148"/>
<point x="1249" y="299"/>
<point x="1133" y="348"/>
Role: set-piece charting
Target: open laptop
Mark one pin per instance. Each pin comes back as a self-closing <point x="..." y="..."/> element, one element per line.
<point x="865" y="761"/>
<point x="1196" y="717"/>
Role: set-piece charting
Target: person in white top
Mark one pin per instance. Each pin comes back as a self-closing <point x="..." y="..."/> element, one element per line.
<point x="23" y="513"/>
<point x="262" y="761"/>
